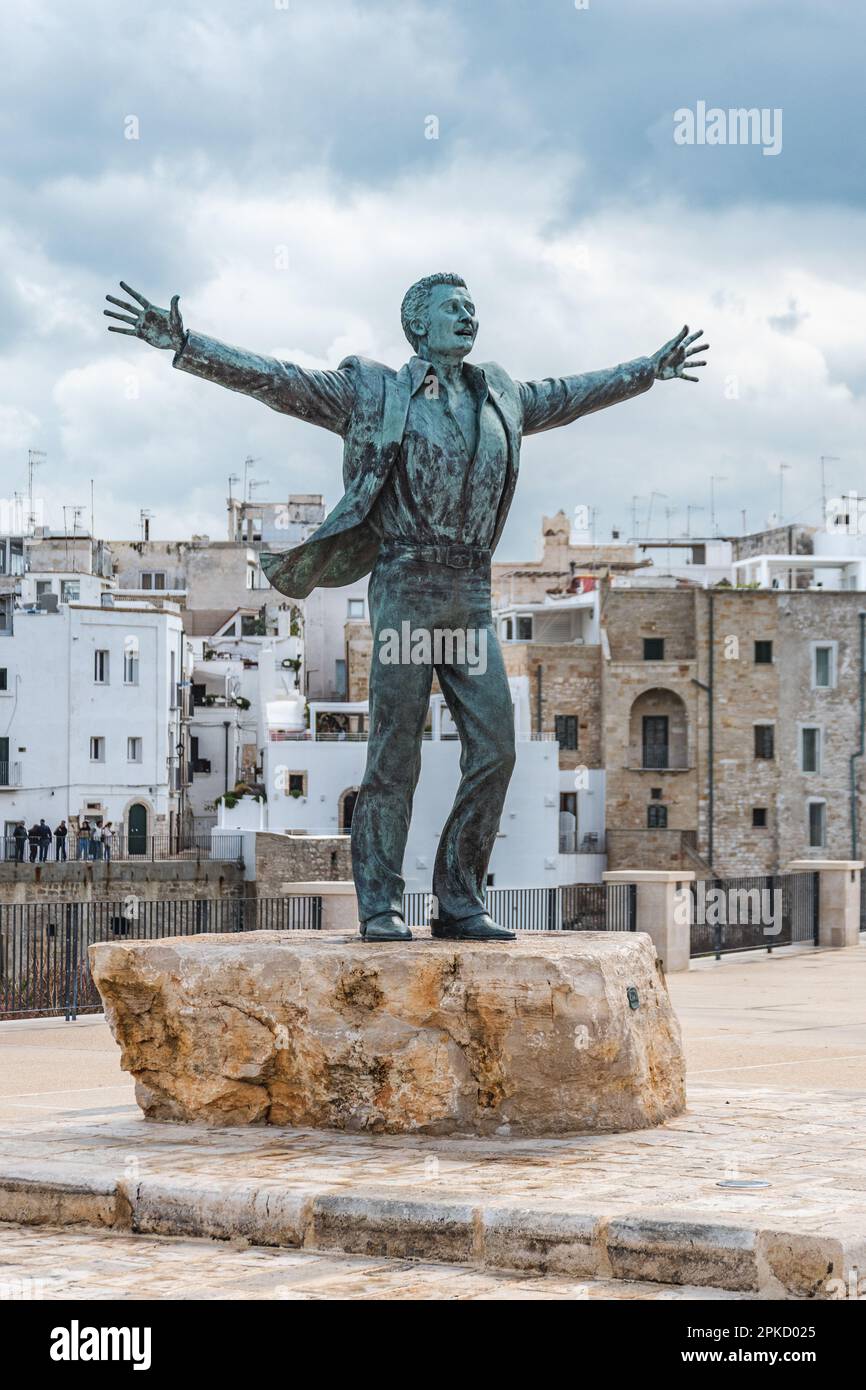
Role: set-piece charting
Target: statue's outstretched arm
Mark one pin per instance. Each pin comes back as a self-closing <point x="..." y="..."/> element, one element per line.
<point x="560" y="400"/>
<point x="322" y="398"/>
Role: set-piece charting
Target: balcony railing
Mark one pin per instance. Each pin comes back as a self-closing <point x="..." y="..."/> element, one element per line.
<point x="591" y="842"/>
<point x="10" y="775"/>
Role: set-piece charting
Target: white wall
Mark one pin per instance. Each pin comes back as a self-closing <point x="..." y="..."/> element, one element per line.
<point x="526" y="850"/>
<point x="326" y="612"/>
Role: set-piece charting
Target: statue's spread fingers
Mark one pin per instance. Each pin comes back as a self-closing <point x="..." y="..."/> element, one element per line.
<point x="674" y="342"/>
<point x="693" y="336"/>
<point x="122" y="304"/>
<point x="124" y="318"/>
<point x="130" y="333"/>
<point x="695" y="364"/>
<point x="684" y="377"/>
<point x="145" y="303"/>
<point x="701" y="347"/>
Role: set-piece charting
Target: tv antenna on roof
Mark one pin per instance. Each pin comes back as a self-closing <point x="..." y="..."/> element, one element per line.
<point x="248" y="464"/>
<point x="35" y="458"/>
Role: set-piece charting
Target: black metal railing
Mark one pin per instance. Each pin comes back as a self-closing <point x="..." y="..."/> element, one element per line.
<point x="123" y="846"/>
<point x="570" y="907"/>
<point x="754" y="912"/>
<point x="44" y="968"/>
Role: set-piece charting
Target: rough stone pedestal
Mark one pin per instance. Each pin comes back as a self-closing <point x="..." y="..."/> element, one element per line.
<point x="535" y="1036"/>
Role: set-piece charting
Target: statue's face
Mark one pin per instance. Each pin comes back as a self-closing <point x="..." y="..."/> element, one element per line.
<point x="451" y="322"/>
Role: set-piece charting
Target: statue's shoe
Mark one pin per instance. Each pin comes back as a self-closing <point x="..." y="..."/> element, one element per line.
<point x="479" y="928"/>
<point x="386" y="927"/>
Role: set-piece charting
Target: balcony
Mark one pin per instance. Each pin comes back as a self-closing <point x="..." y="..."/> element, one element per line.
<point x="591" y="842"/>
<point x="10" y="776"/>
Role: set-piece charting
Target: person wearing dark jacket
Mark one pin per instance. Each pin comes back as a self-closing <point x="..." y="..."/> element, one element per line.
<point x="44" y="840"/>
<point x="34" y="836"/>
<point x="60" y="841"/>
<point x="20" y="836"/>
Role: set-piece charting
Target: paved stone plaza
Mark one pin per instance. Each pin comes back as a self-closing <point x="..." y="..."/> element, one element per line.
<point x="777" y="1094"/>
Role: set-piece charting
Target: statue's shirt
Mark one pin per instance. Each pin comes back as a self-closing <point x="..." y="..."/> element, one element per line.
<point x="438" y="489"/>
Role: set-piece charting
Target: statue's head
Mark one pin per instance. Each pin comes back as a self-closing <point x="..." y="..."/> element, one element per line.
<point x="438" y="316"/>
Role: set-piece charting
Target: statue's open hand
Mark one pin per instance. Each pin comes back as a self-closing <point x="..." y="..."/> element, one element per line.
<point x="162" y="328"/>
<point x="672" y="359"/>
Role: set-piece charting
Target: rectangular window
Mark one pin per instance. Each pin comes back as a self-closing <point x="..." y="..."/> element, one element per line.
<point x="133" y="750"/>
<point x="356" y="608"/>
<point x="100" y="667"/>
<point x="823" y="667"/>
<point x="763" y="653"/>
<point x="765" y="735"/>
<point x="810" y="750"/>
<point x="655" y="740"/>
<point x="70" y="590"/>
<point x="97" y="750"/>
<point x="524" y="628"/>
<point x="153" y="579"/>
<point x="653" y="649"/>
<point x="130" y="664"/>
<point x="6" y="614"/>
<point x="817" y="824"/>
<point x="296" y="784"/>
<point x="4" y="678"/>
<point x="657" y="817"/>
<point x="566" y="730"/>
<point x="759" y="817"/>
<point x="43" y="586"/>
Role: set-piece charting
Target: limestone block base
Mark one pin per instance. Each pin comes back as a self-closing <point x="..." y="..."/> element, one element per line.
<point x="549" y="1034"/>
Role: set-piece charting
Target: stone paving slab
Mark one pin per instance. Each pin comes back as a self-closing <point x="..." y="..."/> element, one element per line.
<point x="63" y="1263"/>
<point x="645" y="1205"/>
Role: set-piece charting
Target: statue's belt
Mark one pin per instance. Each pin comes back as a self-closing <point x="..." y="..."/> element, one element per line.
<point x="461" y="557"/>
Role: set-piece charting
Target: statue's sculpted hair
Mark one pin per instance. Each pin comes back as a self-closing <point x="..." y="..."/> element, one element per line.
<point x="417" y="297"/>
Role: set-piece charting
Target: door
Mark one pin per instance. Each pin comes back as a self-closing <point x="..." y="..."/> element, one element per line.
<point x="348" y="811"/>
<point x="655" y="740"/>
<point x="136" y="829"/>
<point x="4" y="763"/>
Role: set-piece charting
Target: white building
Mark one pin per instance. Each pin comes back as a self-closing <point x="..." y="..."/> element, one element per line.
<point x="236" y="672"/>
<point x="312" y="777"/>
<point x="90" y="708"/>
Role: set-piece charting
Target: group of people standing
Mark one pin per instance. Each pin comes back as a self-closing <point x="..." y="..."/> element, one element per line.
<point x="94" y="841"/>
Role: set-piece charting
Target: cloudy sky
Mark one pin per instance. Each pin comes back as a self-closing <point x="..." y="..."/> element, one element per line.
<point x="283" y="184"/>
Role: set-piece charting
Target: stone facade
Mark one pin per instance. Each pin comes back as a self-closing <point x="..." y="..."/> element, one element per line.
<point x="570" y="684"/>
<point x="760" y="804"/>
<point x="282" y="859"/>
<point x="173" y="881"/>
<point x="359" y="648"/>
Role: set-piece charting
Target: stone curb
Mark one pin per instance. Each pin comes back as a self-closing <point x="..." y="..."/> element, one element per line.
<point x="660" y="1248"/>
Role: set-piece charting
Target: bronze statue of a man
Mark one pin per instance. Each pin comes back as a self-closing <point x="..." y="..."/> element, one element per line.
<point x="430" y="460"/>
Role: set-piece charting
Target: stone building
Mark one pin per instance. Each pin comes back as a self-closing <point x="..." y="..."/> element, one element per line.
<point x="730" y="719"/>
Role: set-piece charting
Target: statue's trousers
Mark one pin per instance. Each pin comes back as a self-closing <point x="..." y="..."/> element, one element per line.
<point x="433" y="589"/>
